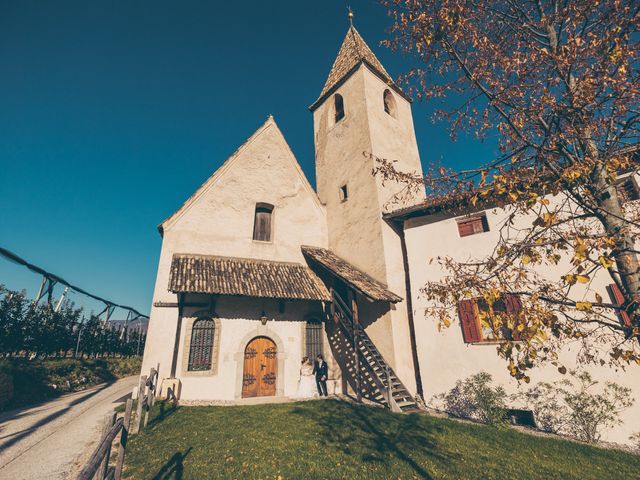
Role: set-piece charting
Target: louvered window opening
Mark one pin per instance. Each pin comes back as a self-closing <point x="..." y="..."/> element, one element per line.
<point x="627" y="191"/>
<point x="201" y="347"/>
<point x="314" y="339"/>
<point x="262" y="223"/>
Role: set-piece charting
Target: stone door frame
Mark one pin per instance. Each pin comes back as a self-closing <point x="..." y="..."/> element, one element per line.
<point x="281" y="356"/>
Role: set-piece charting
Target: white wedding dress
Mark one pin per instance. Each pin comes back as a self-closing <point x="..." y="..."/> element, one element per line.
<point x="307" y="386"/>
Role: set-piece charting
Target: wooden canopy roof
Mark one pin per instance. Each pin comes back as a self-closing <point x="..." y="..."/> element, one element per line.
<point x="356" y="278"/>
<point x="244" y="276"/>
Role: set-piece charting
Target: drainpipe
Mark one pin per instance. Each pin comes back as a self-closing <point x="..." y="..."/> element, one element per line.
<point x="412" y="329"/>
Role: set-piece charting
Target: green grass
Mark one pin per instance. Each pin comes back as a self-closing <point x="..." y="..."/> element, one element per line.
<point x="33" y="380"/>
<point x="335" y="440"/>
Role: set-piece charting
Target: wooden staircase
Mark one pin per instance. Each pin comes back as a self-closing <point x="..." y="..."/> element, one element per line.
<point x="374" y="378"/>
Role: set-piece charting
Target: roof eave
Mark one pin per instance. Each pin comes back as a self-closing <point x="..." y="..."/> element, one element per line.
<point x="346" y="76"/>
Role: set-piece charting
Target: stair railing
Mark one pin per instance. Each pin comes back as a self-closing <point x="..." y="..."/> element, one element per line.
<point x="345" y="319"/>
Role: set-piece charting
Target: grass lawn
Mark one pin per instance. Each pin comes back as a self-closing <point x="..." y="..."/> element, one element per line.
<point x="335" y="440"/>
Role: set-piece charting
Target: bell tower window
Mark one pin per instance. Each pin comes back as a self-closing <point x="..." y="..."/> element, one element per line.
<point x="262" y="223"/>
<point x="338" y="105"/>
<point x="389" y="103"/>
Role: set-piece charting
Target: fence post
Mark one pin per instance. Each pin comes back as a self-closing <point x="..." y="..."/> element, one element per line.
<point x="146" y="405"/>
<point x="109" y="420"/>
<point x="136" y="424"/>
<point x="152" y="387"/>
<point x="124" y="435"/>
<point x="156" y="383"/>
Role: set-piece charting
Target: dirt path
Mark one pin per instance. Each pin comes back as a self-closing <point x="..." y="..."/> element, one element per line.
<point x="52" y="439"/>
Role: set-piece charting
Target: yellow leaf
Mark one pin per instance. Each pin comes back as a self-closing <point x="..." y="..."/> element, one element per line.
<point x="582" y="278"/>
<point x="584" y="306"/>
<point x="605" y="262"/>
<point x="526" y="259"/>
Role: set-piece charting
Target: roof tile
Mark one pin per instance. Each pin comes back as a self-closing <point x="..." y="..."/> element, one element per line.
<point x="243" y="276"/>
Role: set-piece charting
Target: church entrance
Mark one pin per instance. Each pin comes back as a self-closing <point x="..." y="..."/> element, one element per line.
<point x="260" y="368"/>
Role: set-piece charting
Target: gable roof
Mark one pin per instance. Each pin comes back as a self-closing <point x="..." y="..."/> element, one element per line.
<point x="353" y="53"/>
<point x="212" y="180"/>
<point x="359" y="280"/>
<point x="244" y="276"/>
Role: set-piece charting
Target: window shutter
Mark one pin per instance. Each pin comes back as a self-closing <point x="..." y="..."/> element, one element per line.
<point x="469" y="226"/>
<point x="262" y="224"/>
<point x="513" y="305"/>
<point x="617" y="298"/>
<point x="465" y="229"/>
<point x="467" y="312"/>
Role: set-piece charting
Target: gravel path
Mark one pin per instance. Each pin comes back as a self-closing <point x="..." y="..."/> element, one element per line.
<point x="50" y="441"/>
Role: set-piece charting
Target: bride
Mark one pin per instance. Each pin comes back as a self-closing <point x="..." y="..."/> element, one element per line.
<point x="307" y="385"/>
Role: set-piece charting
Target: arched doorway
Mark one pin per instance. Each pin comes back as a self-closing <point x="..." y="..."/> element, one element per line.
<point x="260" y="368"/>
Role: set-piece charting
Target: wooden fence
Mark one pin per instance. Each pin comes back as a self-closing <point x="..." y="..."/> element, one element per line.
<point x="98" y="467"/>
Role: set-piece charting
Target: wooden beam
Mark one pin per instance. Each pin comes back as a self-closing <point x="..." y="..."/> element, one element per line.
<point x="356" y="321"/>
<point x="184" y="304"/>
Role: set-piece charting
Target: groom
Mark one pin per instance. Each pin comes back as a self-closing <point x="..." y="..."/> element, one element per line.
<point x="320" y="369"/>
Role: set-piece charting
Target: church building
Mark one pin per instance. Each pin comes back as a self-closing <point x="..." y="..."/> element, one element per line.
<point x="257" y="269"/>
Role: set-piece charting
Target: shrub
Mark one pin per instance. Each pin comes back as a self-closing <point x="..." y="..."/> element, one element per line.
<point x="477" y="399"/>
<point x="578" y="406"/>
<point x="635" y="440"/>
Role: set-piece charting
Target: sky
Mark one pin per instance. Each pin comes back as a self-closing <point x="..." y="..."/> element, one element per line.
<point x="113" y="113"/>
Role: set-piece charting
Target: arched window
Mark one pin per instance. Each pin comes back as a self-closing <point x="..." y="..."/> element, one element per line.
<point x="313" y="338"/>
<point x="338" y="104"/>
<point x="262" y="222"/>
<point x="201" y="345"/>
<point x="389" y="103"/>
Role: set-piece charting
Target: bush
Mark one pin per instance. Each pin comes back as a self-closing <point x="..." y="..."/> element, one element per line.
<point x="37" y="380"/>
<point x="477" y="399"/>
<point x="572" y="406"/>
<point x="635" y="440"/>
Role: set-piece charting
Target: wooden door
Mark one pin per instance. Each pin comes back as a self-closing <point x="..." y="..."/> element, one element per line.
<point x="260" y="368"/>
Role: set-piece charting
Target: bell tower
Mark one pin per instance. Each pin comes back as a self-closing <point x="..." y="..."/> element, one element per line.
<point x="361" y="114"/>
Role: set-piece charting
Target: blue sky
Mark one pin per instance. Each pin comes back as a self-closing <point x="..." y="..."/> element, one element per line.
<point x="112" y="113"/>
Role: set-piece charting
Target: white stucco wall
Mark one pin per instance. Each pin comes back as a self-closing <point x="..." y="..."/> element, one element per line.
<point x="218" y="220"/>
<point x="445" y="358"/>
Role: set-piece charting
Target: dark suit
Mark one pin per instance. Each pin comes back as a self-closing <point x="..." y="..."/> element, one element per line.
<point x="321" y="372"/>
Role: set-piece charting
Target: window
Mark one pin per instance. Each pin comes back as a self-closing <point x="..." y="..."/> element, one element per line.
<point x="344" y="193"/>
<point x="617" y="298"/>
<point x="389" y="103"/>
<point x="338" y="104"/>
<point x="472" y="225"/>
<point x="201" y="345"/>
<point x="476" y="319"/>
<point x="313" y="337"/>
<point x="627" y="190"/>
<point x="262" y="222"/>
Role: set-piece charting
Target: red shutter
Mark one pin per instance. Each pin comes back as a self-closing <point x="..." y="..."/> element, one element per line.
<point x="513" y="306"/>
<point x="469" y="321"/>
<point x="617" y="298"/>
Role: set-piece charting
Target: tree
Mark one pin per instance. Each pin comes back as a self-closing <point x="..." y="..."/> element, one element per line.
<point x="558" y="82"/>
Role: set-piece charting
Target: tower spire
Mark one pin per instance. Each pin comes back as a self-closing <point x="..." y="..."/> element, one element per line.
<point x="350" y="15"/>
